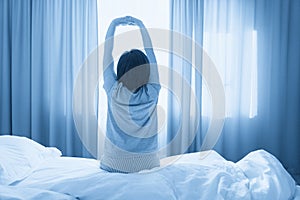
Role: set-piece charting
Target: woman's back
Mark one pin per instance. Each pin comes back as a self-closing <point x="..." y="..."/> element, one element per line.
<point x="131" y="138"/>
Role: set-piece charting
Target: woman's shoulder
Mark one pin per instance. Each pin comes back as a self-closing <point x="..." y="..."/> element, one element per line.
<point x="153" y="86"/>
<point x="150" y="91"/>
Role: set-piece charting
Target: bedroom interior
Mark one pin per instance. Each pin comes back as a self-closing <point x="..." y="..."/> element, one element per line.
<point x="241" y="142"/>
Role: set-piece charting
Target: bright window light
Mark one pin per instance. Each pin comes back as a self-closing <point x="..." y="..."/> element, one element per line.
<point x="237" y="65"/>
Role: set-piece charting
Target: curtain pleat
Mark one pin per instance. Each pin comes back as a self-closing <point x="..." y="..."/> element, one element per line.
<point x="187" y="20"/>
<point x="43" y="45"/>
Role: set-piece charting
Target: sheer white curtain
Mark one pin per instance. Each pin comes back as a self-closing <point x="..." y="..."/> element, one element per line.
<point x="255" y="48"/>
<point x="230" y="39"/>
<point x="186" y="18"/>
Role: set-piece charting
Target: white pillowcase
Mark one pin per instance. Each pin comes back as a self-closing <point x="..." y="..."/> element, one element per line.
<point x="19" y="156"/>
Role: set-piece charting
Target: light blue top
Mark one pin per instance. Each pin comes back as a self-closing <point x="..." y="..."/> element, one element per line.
<point x="131" y="143"/>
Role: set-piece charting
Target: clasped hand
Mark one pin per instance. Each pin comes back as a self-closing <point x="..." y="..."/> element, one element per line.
<point x="128" y="20"/>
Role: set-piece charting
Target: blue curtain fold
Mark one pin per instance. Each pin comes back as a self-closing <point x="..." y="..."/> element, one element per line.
<point x="186" y="18"/>
<point x="43" y="45"/>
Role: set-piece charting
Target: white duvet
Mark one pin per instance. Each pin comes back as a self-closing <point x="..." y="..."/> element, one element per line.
<point x="259" y="175"/>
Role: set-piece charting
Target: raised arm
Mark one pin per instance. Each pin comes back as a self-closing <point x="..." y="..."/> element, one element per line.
<point x="108" y="61"/>
<point x="154" y="77"/>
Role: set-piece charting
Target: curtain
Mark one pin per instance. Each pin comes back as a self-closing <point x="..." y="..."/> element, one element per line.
<point x="186" y="19"/>
<point x="230" y="39"/>
<point x="43" y="45"/>
<point x="255" y="48"/>
<point x="278" y="30"/>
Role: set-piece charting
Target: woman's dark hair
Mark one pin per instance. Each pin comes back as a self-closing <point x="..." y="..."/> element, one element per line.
<point x="133" y="69"/>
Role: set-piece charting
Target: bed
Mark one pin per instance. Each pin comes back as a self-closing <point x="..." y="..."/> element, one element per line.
<point x="29" y="170"/>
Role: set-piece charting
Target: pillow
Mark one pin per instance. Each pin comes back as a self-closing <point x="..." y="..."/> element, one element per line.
<point x="19" y="156"/>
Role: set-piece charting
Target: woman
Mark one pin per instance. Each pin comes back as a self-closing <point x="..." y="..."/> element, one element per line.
<point x="132" y="94"/>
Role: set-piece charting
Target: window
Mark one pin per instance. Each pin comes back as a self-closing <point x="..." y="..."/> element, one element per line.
<point x="238" y="70"/>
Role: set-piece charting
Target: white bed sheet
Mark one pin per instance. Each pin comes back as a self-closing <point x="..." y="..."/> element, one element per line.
<point x="297" y="193"/>
<point x="257" y="176"/>
<point x="22" y="193"/>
